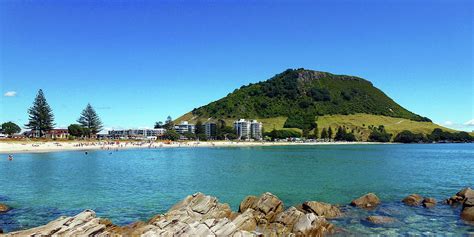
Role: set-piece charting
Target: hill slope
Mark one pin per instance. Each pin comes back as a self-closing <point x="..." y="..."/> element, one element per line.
<point x="305" y="92"/>
<point x="290" y="98"/>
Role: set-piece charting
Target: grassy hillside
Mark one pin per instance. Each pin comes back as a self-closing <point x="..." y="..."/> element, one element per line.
<point x="359" y="122"/>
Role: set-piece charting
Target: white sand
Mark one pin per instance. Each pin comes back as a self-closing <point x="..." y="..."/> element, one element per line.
<point x="50" y="146"/>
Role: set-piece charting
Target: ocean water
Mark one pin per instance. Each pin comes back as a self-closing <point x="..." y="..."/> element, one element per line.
<point x="131" y="185"/>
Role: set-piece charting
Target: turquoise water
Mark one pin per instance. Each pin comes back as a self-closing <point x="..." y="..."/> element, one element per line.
<point x="131" y="185"/>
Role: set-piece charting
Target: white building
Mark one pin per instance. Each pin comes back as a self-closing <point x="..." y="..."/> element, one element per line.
<point x="248" y="129"/>
<point x="256" y="130"/>
<point x="184" y="127"/>
<point x="152" y="134"/>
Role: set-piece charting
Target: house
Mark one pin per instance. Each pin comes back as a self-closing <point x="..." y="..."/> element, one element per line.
<point x="57" y="133"/>
<point x="139" y="134"/>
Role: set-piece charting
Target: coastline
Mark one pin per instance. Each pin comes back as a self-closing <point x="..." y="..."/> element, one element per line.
<point x="12" y="147"/>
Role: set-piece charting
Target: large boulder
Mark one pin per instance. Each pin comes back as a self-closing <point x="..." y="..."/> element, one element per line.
<point x="429" y="202"/>
<point x="312" y="225"/>
<point x="380" y="220"/>
<point x="461" y="196"/>
<point x="368" y="201"/>
<point x="248" y="202"/>
<point x="322" y="209"/>
<point x="4" y="208"/>
<point x="289" y="217"/>
<point x="467" y="212"/>
<point x="413" y="200"/>
<point x="83" y="224"/>
<point x="266" y="207"/>
<point x="198" y="207"/>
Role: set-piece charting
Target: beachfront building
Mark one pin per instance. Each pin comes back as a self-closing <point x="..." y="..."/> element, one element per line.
<point x="139" y="134"/>
<point x="256" y="130"/>
<point x="247" y="129"/>
<point x="184" y="127"/>
<point x="56" y="133"/>
<point x="210" y="129"/>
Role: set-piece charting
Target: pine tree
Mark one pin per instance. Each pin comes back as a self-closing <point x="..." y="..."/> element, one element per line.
<point x="90" y="121"/>
<point x="329" y="132"/>
<point x="169" y="125"/>
<point x="316" y="131"/>
<point x="324" y="134"/>
<point x="41" y="118"/>
<point x="199" y="128"/>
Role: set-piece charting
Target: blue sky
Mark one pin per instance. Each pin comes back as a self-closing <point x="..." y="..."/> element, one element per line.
<point x="137" y="62"/>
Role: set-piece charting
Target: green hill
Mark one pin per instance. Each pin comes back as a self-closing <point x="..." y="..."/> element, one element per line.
<point x="294" y="98"/>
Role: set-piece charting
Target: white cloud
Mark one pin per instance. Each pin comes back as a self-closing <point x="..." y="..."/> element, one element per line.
<point x="469" y="123"/>
<point x="448" y="123"/>
<point x="10" y="94"/>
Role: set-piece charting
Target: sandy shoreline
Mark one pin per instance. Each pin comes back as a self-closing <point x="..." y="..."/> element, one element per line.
<point x="8" y="147"/>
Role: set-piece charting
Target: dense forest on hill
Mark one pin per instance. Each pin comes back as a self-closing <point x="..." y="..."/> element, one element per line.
<point x="302" y="95"/>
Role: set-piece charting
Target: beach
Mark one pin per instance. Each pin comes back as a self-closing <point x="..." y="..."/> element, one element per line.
<point x="57" y="146"/>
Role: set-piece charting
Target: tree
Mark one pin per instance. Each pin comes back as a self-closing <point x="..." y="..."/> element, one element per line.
<point x="10" y="128"/>
<point x="90" y="120"/>
<point x="324" y="134"/>
<point x="379" y="135"/>
<point x="41" y="117"/>
<point x="169" y="125"/>
<point x="159" y="124"/>
<point x="75" y="130"/>
<point x="406" y="136"/>
<point x="171" y="135"/>
<point x="199" y="128"/>
<point x="330" y="133"/>
<point x="316" y="131"/>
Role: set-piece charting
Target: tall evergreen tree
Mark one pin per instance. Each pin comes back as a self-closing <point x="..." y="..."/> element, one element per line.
<point x="199" y="128"/>
<point x="90" y="120"/>
<point x="169" y="125"/>
<point x="324" y="134"/>
<point x="316" y="131"/>
<point x="330" y="133"/>
<point x="41" y="118"/>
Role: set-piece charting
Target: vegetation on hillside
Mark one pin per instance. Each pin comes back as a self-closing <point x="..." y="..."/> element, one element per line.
<point x="302" y="95"/>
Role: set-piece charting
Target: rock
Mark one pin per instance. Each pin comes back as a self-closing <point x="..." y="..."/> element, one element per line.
<point x="198" y="215"/>
<point x="4" y="208"/>
<point x="380" y="220"/>
<point x="248" y="202"/>
<point x="289" y="217"/>
<point x="312" y="225"/>
<point x="461" y="196"/>
<point x="466" y="193"/>
<point x="198" y="207"/>
<point x="269" y="206"/>
<point x="368" y="201"/>
<point x="467" y="214"/>
<point x="322" y="209"/>
<point x="429" y="202"/>
<point x="1" y="231"/>
<point x="413" y="200"/>
<point x="266" y="206"/>
<point x="83" y="224"/>
<point x="246" y="221"/>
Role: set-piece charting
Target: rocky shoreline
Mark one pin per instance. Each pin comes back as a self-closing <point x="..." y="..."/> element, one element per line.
<point x="203" y="215"/>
